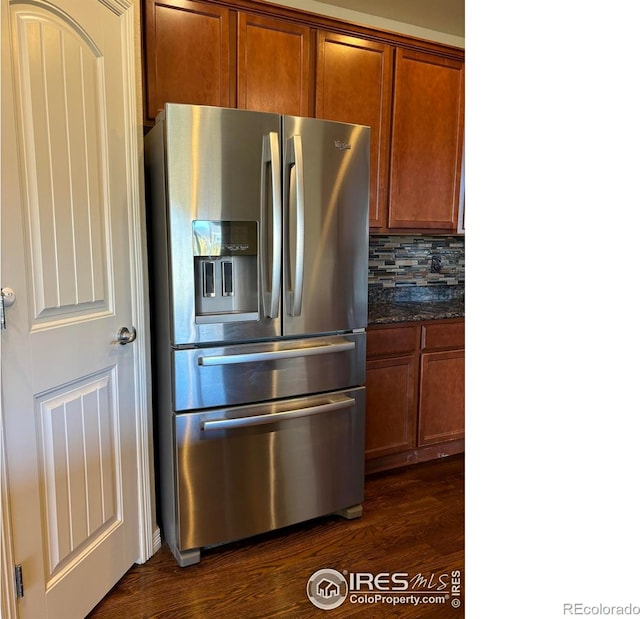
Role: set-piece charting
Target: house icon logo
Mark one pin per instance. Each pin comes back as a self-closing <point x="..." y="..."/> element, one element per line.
<point x="327" y="589"/>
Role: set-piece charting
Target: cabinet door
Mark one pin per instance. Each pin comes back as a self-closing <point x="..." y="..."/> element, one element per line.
<point x="187" y="54"/>
<point x="353" y="84"/>
<point x="391" y="406"/>
<point x="441" y="409"/>
<point x="274" y="66"/>
<point x="427" y="136"/>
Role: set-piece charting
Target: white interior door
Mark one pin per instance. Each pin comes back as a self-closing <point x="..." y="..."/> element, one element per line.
<point x="68" y="390"/>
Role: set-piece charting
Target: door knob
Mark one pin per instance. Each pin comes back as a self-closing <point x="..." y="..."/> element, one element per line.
<point x="125" y="336"/>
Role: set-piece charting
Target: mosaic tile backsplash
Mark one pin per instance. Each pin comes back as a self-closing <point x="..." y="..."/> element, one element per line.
<point x="405" y="260"/>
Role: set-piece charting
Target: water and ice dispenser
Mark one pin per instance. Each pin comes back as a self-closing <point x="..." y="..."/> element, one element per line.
<point x="226" y="271"/>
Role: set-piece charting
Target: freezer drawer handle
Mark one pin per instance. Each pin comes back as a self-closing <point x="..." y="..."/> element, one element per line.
<point x="274" y="355"/>
<point x="256" y="420"/>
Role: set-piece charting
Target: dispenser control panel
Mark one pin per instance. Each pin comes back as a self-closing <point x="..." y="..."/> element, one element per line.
<point x="226" y="270"/>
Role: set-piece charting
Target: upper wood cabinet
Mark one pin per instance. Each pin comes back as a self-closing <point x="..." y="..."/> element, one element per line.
<point x="353" y="84"/>
<point x="274" y="58"/>
<point x="261" y="56"/>
<point x="187" y="54"/>
<point x="426" y="149"/>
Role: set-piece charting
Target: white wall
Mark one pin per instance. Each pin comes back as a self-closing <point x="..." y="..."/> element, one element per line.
<point x="313" y="6"/>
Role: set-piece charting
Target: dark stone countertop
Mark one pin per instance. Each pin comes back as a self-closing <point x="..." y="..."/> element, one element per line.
<point x="415" y="304"/>
<point x="383" y="313"/>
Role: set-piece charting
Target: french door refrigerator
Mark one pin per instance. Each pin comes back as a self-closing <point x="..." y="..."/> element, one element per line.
<point x="259" y="262"/>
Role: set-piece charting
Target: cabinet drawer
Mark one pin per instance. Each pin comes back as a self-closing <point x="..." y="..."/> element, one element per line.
<point x="391" y="341"/>
<point x="274" y="370"/>
<point x="443" y="335"/>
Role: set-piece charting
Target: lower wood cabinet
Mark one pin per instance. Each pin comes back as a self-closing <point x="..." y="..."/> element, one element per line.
<point x="415" y="393"/>
<point x="391" y="398"/>
<point x="441" y="406"/>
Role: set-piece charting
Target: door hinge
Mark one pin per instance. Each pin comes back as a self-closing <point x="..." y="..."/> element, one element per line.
<point x="19" y="584"/>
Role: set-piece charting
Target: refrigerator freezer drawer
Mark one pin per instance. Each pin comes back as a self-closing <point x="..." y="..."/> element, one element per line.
<point x="261" y="467"/>
<point x="230" y="375"/>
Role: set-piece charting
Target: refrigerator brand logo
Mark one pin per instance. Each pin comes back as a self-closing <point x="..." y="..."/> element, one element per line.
<point x="340" y="145"/>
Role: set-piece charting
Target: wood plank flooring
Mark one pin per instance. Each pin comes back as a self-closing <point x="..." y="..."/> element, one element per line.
<point x="413" y="522"/>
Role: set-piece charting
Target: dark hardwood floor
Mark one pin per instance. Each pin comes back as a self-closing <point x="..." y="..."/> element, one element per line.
<point x="413" y="523"/>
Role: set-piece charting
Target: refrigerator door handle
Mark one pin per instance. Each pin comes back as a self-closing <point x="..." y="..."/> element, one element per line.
<point x="255" y="420"/>
<point x="294" y="160"/>
<point x="273" y="233"/>
<point x="275" y="355"/>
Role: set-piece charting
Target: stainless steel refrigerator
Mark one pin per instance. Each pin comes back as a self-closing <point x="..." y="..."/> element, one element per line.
<point x="259" y="254"/>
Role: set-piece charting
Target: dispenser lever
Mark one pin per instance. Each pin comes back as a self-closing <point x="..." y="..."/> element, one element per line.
<point x="208" y="279"/>
<point x="227" y="279"/>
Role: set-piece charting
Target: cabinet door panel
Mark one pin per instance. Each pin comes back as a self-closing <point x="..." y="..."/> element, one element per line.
<point x="187" y="54"/>
<point x="391" y="406"/>
<point x="273" y="65"/>
<point x="353" y="84"/>
<point x="441" y="415"/>
<point x="426" y="150"/>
